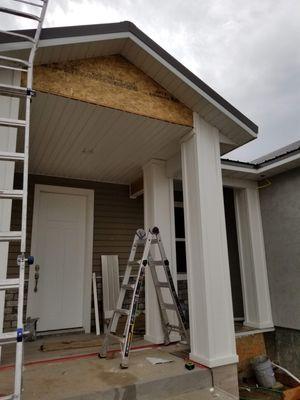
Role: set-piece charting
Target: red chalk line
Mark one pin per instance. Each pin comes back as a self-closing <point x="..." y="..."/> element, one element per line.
<point x="82" y="356"/>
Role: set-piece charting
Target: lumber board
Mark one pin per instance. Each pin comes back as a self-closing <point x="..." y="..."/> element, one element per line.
<point x="70" y="345"/>
<point x="113" y="82"/>
<point x="292" y="394"/>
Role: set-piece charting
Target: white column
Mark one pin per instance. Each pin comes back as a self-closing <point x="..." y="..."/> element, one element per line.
<point x="158" y="211"/>
<point x="210" y="303"/>
<point x="9" y="108"/>
<point x="256" y="295"/>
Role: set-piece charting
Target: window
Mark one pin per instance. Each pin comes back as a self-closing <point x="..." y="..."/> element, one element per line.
<point x="180" y="236"/>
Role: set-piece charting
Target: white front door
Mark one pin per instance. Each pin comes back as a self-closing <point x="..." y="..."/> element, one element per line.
<point x="60" y="237"/>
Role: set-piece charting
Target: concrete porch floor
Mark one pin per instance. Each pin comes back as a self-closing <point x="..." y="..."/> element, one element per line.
<point x="82" y="375"/>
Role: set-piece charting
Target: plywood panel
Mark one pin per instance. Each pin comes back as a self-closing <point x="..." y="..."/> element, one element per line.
<point x="248" y="347"/>
<point x="114" y="82"/>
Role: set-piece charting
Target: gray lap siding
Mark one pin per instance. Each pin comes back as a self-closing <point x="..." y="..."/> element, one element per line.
<point x="116" y="218"/>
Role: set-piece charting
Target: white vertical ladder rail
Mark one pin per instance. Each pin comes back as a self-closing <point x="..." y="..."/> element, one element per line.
<point x="26" y="66"/>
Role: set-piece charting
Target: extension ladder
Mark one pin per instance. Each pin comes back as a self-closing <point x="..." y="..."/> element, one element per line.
<point x="23" y="93"/>
<point x="146" y="241"/>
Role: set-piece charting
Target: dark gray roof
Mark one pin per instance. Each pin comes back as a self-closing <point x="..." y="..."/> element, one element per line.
<point x="278" y="153"/>
<point x="126" y="26"/>
<point x="270" y="158"/>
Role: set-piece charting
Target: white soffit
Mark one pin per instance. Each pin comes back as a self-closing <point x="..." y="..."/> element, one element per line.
<point x="73" y="139"/>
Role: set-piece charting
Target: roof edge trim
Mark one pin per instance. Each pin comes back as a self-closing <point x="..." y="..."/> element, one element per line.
<point x="122" y="29"/>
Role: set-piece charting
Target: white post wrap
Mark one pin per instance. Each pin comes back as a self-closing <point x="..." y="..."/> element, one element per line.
<point x="9" y="108"/>
<point x="256" y="295"/>
<point x="158" y="211"/>
<point x="210" y="303"/>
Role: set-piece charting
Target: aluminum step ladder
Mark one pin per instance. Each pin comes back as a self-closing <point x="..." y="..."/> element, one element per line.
<point x="148" y="260"/>
<point x="24" y="66"/>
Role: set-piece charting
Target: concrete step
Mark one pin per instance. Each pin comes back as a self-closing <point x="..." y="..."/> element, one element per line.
<point x="91" y="378"/>
<point x="202" y="394"/>
<point x="164" y="388"/>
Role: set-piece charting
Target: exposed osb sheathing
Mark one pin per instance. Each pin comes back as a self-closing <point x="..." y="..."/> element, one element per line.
<point x="248" y="347"/>
<point x="112" y="82"/>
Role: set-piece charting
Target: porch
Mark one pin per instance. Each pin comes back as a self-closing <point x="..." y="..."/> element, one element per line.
<point x="66" y="366"/>
<point x="80" y="374"/>
<point x="117" y="211"/>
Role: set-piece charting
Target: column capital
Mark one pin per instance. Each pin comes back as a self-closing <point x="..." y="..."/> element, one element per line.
<point x="154" y="161"/>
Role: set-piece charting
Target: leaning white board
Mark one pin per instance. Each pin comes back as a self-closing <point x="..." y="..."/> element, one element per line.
<point x="110" y="284"/>
<point x="96" y="304"/>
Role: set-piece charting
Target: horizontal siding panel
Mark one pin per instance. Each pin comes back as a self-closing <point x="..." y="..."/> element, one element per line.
<point x="116" y="218"/>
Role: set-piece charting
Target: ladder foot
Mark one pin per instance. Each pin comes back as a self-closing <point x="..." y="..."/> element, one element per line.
<point x="124" y="365"/>
<point x="102" y="355"/>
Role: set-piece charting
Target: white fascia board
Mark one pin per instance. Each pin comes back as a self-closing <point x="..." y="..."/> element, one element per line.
<point x="101" y="37"/>
<point x="64" y="41"/>
<point x="279" y="163"/>
<point x="191" y="84"/>
<point x="262" y="170"/>
<point x="246" y="170"/>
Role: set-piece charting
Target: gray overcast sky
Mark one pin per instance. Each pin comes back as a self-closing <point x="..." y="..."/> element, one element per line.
<point x="248" y="51"/>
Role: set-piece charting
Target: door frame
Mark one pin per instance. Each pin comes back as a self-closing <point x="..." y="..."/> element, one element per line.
<point x="87" y="286"/>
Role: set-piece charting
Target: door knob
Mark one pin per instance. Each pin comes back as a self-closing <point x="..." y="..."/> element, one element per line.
<point x="36" y="277"/>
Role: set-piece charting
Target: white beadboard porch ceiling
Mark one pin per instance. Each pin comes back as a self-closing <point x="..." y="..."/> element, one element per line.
<point x="73" y="139"/>
<point x="130" y="47"/>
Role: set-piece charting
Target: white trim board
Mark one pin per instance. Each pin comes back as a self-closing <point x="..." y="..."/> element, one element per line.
<point x="89" y="194"/>
<point x="254" y="332"/>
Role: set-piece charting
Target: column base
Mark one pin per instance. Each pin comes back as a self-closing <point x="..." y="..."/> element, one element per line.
<point x="259" y="325"/>
<point x="226" y="379"/>
<point x="154" y="339"/>
<point x="174" y="338"/>
<point x="214" y="362"/>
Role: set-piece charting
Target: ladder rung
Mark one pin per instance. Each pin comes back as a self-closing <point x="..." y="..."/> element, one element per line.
<point x="10" y="337"/>
<point x="156" y="262"/>
<point x="128" y="286"/>
<point x="19" y="13"/>
<point x="9" y="284"/>
<point x="7" y="156"/>
<point x="143" y="241"/>
<point x="13" y="69"/>
<point x="10" y="236"/>
<point x="118" y="338"/>
<point x="169" y="306"/>
<point x="162" y="284"/>
<point x="134" y="263"/>
<point x="122" y="311"/>
<point x="174" y="328"/>
<point x="16" y="91"/>
<point x="15" y="60"/>
<point x="9" y="397"/>
<point x="11" y="194"/>
<point x="18" y="35"/>
<point x="16" y="123"/>
<point x="29" y="2"/>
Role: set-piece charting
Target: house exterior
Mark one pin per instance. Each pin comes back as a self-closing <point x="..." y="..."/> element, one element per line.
<point x="122" y="137"/>
<point x="280" y="208"/>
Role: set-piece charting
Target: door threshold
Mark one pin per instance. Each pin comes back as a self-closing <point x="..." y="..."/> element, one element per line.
<point x="60" y="332"/>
